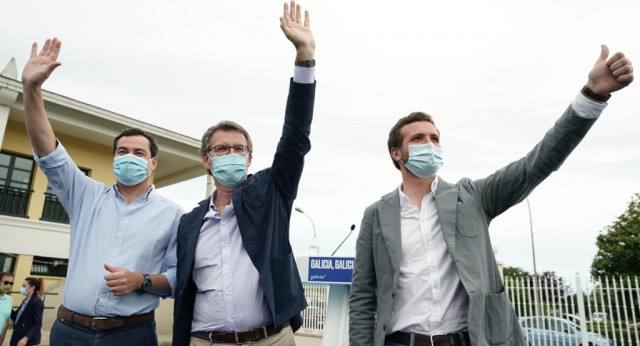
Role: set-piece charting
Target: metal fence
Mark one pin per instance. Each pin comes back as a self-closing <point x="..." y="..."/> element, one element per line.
<point x="596" y="312"/>
<point x="315" y="314"/>
<point x="553" y="311"/>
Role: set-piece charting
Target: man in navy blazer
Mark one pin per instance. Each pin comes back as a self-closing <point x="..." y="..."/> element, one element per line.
<point x="237" y="280"/>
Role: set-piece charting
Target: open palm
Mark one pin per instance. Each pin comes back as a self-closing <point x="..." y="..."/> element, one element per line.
<point x="40" y="66"/>
<point x="297" y="31"/>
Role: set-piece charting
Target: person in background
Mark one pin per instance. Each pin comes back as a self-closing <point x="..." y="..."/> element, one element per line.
<point x="27" y="319"/>
<point x="6" y="302"/>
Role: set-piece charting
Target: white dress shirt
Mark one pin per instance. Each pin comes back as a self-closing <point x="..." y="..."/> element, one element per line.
<point x="430" y="298"/>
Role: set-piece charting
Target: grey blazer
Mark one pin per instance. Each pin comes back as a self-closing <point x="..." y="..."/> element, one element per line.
<point x="465" y="211"/>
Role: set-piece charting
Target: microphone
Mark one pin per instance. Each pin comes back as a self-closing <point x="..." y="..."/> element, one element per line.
<point x="352" y="228"/>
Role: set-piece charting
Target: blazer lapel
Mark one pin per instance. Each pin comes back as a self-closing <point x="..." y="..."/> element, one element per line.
<point x="446" y="202"/>
<point x="389" y="216"/>
<point x="192" y="228"/>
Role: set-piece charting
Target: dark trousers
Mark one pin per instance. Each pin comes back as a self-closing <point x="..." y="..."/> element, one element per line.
<point x="66" y="334"/>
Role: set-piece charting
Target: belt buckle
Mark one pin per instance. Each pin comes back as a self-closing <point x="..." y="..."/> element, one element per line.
<point x="431" y="339"/>
<point x="93" y="322"/>
<point x="235" y="333"/>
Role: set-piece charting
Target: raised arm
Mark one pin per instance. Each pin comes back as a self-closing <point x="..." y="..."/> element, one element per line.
<point x="511" y="184"/>
<point x="36" y="71"/>
<point x="297" y="31"/>
<point x="294" y="143"/>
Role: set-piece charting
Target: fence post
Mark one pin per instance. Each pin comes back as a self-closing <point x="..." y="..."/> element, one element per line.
<point x="581" y="313"/>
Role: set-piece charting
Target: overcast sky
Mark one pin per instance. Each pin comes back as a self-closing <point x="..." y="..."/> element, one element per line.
<point x="494" y="74"/>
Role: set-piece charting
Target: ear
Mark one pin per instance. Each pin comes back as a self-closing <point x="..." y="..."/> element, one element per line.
<point x="396" y="154"/>
<point x="206" y="162"/>
<point x="153" y="163"/>
<point x="249" y="157"/>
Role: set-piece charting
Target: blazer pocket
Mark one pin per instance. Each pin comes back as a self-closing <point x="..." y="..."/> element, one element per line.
<point x="286" y="281"/>
<point x="498" y="324"/>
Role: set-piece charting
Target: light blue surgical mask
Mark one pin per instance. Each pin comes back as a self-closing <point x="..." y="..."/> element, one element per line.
<point x="23" y="291"/>
<point x="130" y="169"/>
<point x="424" y="160"/>
<point x="230" y="169"/>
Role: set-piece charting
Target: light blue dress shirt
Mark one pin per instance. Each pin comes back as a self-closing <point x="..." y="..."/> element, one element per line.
<point x="140" y="237"/>
<point x="22" y="307"/>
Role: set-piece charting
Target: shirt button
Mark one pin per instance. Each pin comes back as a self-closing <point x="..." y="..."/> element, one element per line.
<point x="226" y="266"/>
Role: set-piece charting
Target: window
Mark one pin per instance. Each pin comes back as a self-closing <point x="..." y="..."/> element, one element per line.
<point x="53" y="209"/>
<point x="15" y="183"/>
<point x="49" y="266"/>
<point x="7" y="262"/>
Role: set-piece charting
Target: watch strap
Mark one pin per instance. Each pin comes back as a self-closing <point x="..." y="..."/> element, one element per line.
<point x="306" y="63"/>
<point x="586" y="91"/>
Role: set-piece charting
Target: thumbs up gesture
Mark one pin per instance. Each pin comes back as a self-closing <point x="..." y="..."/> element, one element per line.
<point x="121" y="281"/>
<point x="610" y="74"/>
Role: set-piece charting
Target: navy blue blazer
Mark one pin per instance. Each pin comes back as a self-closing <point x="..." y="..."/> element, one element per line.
<point x="263" y="206"/>
<point x="30" y="322"/>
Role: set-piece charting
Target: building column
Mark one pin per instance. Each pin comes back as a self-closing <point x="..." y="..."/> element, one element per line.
<point x="7" y="97"/>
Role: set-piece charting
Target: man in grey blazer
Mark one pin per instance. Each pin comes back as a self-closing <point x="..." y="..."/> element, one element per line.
<point x="425" y="273"/>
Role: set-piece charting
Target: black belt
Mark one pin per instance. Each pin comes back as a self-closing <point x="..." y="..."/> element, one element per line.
<point x="244" y="337"/>
<point x="453" y="339"/>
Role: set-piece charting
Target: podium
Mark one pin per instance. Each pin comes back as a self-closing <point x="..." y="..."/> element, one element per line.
<point x="336" y="273"/>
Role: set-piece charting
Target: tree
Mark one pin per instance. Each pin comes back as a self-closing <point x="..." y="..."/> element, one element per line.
<point x="619" y="245"/>
<point x="514" y="272"/>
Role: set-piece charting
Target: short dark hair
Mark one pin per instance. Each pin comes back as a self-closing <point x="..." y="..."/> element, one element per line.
<point x="3" y="274"/>
<point x="395" y="138"/>
<point x="153" y="146"/>
<point x="224" y="125"/>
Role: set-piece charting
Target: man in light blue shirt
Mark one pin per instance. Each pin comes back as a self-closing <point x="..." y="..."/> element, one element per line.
<point x="123" y="237"/>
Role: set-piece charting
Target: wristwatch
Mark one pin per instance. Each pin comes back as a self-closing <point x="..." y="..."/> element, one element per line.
<point x="146" y="284"/>
<point x="306" y="63"/>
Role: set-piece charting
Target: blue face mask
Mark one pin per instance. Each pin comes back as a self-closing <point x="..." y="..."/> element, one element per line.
<point x="130" y="169"/>
<point x="229" y="169"/>
<point x="23" y="291"/>
<point x="424" y="160"/>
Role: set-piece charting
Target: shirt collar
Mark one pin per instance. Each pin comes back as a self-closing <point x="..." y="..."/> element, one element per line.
<point x="213" y="211"/>
<point x="150" y="193"/>
<point x="404" y="199"/>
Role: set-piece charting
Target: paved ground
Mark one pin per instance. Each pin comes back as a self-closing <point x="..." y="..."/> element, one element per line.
<point x="301" y="340"/>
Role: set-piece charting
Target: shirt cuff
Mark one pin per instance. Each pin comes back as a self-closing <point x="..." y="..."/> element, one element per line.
<point x="304" y="75"/>
<point x="586" y="108"/>
<point x="55" y="158"/>
<point x="170" y="274"/>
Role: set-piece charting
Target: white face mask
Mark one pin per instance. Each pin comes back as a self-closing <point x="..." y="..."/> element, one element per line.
<point x="23" y="291"/>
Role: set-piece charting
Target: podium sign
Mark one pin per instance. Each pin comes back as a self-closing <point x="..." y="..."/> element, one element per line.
<point x="330" y="269"/>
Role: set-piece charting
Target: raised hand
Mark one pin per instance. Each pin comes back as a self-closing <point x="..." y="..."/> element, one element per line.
<point x="609" y="75"/>
<point x="297" y="32"/>
<point x="40" y="66"/>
